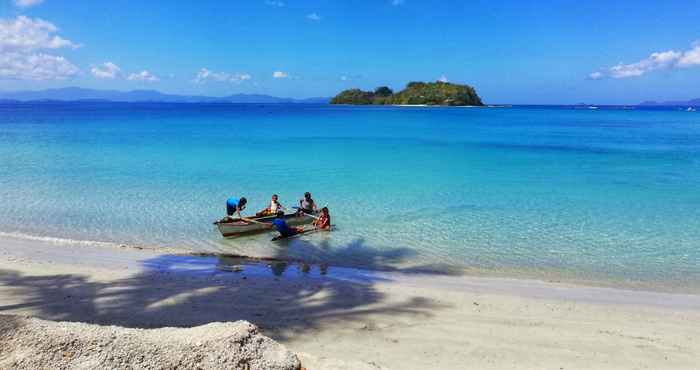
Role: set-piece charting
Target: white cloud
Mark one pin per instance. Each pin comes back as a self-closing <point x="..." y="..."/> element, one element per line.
<point x="655" y="61"/>
<point x="314" y="17"/>
<point x="205" y="75"/>
<point x="276" y="3"/>
<point x="27" y="3"/>
<point x="596" y="76"/>
<point x="443" y="78"/>
<point x="107" y="70"/>
<point x="26" y="34"/>
<point x="691" y="57"/>
<point x="280" y="74"/>
<point x="397" y="2"/>
<point x="22" y="66"/>
<point x="665" y="60"/>
<point x="349" y="77"/>
<point x="143" y="76"/>
<point x="21" y="41"/>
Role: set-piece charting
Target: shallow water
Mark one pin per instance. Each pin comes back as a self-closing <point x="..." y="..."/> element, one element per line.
<point x="595" y="194"/>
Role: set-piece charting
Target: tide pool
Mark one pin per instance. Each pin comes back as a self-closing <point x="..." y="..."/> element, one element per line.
<point x="603" y="195"/>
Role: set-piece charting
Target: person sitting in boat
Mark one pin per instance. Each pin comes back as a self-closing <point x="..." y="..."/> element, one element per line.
<point x="323" y="222"/>
<point x="307" y="205"/>
<point x="274" y="207"/>
<point x="235" y="206"/>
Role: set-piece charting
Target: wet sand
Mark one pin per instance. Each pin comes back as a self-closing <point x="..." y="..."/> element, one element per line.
<point x="343" y="318"/>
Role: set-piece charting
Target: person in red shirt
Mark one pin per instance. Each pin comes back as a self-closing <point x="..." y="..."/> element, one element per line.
<point x="324" y="220"/>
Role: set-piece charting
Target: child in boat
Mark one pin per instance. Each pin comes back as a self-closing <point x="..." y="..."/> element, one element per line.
<point x="324" y="221"/>
<point x="274" y="207"/>
<point x="307" y="205"/>
<point x="235" y="206"/>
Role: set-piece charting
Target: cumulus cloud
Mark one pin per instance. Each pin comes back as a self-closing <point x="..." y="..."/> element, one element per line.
<point x="143" y="76"/>
<point x="204" y="75"/>
<point x="443" y="78"/>
<point x="276" y="3"/>
<point x="22" y="40"/>
<point x="26" y="34"/>
<point x="691" y="57"/>
<point x="22" y="66"/>
<point x="27" y="3"/>
<point x="314" y="17"/>
<point x="664" y="60"/>
<point x="280" y="74"/>
<point x="107" y="70"/>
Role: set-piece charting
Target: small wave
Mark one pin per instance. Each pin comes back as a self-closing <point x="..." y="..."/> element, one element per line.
<point x="88" y="243"/>
<point x="57" y="241"/>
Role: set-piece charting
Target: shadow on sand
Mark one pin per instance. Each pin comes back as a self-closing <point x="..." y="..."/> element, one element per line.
<point x="283" y="296"/>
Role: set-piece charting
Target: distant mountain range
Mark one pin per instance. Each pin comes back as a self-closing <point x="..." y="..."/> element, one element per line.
<point x="80" y="94"/>
<point x="693" y="102"/>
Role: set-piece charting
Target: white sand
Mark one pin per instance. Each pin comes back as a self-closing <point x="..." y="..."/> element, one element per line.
<point x="393" y="320"/>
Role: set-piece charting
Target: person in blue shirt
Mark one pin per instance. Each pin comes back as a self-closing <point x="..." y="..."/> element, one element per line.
<point x="235" y="206"/>
<point x="285" y="230"/>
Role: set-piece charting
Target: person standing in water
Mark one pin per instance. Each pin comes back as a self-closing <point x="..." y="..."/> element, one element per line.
<point x="235" y="206"/>
<point x="281" y="226"/>
<point x="285" y="231"/>
<point x="323" y="222"/>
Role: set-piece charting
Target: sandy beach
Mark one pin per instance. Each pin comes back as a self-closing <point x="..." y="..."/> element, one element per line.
<point x="350" y="319"/>
<point x="335" y="185"/>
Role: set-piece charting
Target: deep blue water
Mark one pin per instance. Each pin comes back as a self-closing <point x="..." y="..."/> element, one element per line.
<point x="607" y="194"/>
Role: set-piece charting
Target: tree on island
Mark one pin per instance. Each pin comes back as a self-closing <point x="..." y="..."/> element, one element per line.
<point x="383" y="91"/>
<point x="354" y="96"/>
<point x="428" y="93"/>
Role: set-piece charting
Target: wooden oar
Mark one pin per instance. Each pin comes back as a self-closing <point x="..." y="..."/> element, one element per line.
<point x="225" y="220"/>
<point x="307" y="214"/>
<point x="312" y="216"/>
<point x="246" y="219"/>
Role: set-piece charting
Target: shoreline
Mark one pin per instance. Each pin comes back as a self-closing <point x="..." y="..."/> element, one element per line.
<point x="369" y="319"/>
<point x="547" y="276"/>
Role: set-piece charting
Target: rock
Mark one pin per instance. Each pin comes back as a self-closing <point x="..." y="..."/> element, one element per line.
<point x="30" y="343"/>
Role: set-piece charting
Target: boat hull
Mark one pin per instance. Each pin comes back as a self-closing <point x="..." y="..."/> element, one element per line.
<point x="238" y="227"/>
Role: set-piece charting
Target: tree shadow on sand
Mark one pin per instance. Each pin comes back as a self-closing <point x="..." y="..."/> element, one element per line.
<point x="284" y="296"/>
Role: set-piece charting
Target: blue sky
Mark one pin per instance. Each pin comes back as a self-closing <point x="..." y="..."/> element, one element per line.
<point x="599" y="52"/>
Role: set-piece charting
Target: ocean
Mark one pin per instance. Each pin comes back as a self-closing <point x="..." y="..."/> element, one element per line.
<point x="609" y="195"/>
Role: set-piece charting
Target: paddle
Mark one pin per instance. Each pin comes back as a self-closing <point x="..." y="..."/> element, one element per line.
<point x="228" y="219"/>
<point x="246" y="219"/>
<point x="308" y="214"/>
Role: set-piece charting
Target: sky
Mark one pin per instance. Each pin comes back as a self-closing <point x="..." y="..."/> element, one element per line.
<point x="519" y="52"/>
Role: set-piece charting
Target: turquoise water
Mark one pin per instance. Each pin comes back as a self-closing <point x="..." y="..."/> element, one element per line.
<point x="606" y="194"/>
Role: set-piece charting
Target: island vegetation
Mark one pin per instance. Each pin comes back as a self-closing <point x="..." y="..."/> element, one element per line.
<point x="415" y="93"/>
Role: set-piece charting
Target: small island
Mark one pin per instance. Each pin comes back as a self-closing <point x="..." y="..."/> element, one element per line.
<point x="415" y="93"/>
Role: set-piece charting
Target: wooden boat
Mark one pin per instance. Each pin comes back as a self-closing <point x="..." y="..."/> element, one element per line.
<point x="236" y="227"/>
